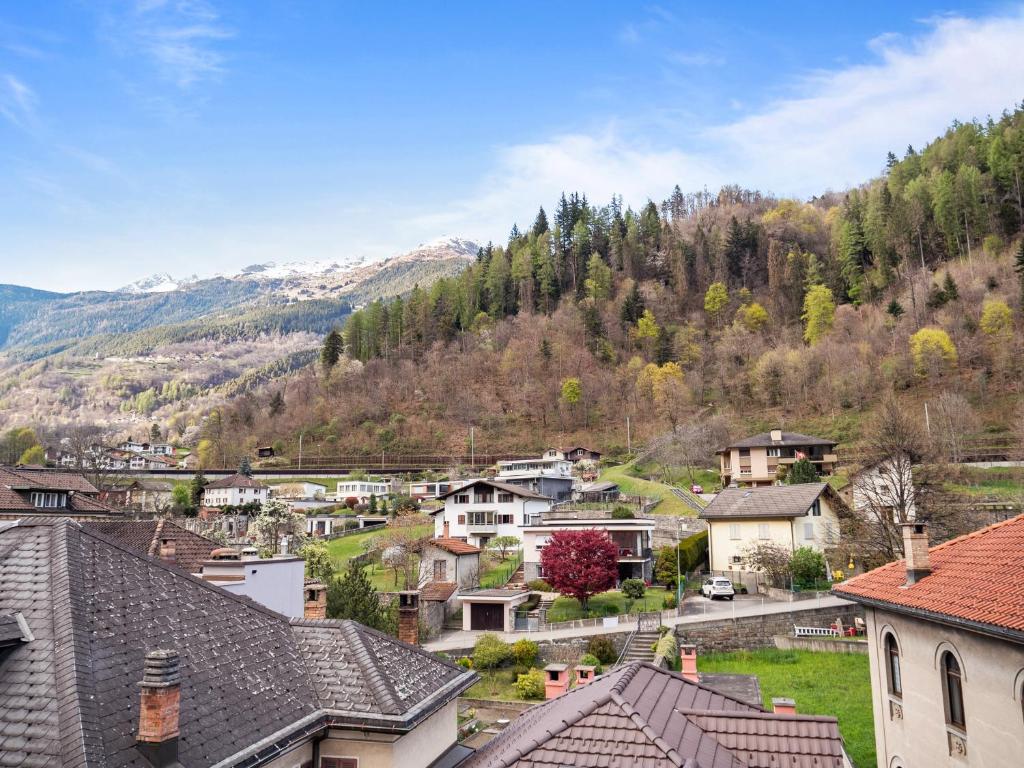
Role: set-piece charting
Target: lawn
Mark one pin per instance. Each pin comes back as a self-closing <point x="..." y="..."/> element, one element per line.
<point x="997" y="483"/>
<point x="345" y="548"/>
<point x="635" y="486"/>
<point x="606" y="604"/>
<point x="837" y="684"/>
<point x="496" y="685"/>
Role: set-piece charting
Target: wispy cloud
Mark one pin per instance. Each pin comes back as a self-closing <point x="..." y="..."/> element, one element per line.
<point x="833" y="131"/>
<point x="179" y="37"/>
<point x="17" y="101"/>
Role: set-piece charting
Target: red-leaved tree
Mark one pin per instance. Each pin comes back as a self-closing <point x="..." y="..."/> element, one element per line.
<point x="580" y="563"/>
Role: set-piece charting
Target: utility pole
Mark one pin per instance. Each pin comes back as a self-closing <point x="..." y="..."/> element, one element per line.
<point x="927" y="422"/>
<point x="300" y="450"/>
<point x="472" y="448"/>
<point x="629" y="440"/>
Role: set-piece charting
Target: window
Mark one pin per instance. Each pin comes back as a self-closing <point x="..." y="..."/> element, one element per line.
<point x="734" y="531"/>
<point x="484" y="497"/>
<point x="808" y="530"/>
<point x="892" y="660"/>
<point x="462" y="498"/>
<point x="481" y="518"/>
<point x="954" y="690"/>
<point x="339" y="762"/>
<point x="774" y="452"/>
<point x="506" y="519"/>
<point x="763" y="531"/>
<point x="440" y="570"/>
<point x="48" y="500"/>
<point x="816" y="508"/>
<point x="462" y="520"/>
<point x="505" y="498"/>
<point x="744" y="453"/>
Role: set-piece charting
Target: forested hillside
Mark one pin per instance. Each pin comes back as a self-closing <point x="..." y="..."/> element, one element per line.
<point x="760" y="309"/>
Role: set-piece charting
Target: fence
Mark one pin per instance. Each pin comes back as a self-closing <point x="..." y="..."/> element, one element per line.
<point x="498" y="577"/>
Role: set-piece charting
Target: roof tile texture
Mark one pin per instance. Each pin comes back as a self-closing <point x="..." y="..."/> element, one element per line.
<point x="764" y="501"/>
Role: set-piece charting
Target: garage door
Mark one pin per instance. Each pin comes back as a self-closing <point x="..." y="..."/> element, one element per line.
<point x="487" y="616"/>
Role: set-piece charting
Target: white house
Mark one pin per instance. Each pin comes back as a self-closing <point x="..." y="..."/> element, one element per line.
<point x="483" y="509"/>
<point x="234" y="490"/>
<point x="632" y="537"/>
<point x="789" y="516"/>
<point x="298" y="490"/>
<point x="361" y="490"/>
<point x="277" y="582"/>
<point x="549" y="477"/>
<point x="433" y="489"/>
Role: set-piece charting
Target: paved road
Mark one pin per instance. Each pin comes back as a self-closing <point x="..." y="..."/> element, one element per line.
<point x="695" y="611"/>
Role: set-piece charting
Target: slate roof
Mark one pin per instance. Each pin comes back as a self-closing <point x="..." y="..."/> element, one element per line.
<point x="977" y="579"/>
<point x="237" y="480"/>
<point x="455" y="546"/>
<point x="48" y="480"/>
<point x="95" y="607"/>
<point x="518" y="490"/>
<point x="16" y="487"/>
<point x="794" y="439"/>
<point x="646" y="716"/>
<point x="190" y="549"/>
<point x="765" y="501"/>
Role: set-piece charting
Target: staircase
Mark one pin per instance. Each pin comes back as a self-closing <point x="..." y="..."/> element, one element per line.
<point x="517" y="579"/>
<point x="689" y="499"/>
<point x="639" y="647"/>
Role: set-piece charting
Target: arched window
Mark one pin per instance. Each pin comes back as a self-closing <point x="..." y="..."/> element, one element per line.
<point x="892" y="660"/>
<point x="954" y="690"/>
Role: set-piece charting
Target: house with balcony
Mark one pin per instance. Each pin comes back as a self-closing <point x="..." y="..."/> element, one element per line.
<point x="756" y="460"/>
<point x="551" y="477"/>
<point x="632" y="537"/>
<point x="361" y="490"/>
<point x="483" y="509"/>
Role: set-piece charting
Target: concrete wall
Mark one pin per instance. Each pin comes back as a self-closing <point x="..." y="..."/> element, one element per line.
<point x="276" y="583"/>
<point x="822" y="644"/>
<point x="914" y="733"/>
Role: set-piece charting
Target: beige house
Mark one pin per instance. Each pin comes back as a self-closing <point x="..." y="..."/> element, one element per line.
<point x="756" y="460"/>
<point x="791" y="516"/>
<point x="946" y="642"/>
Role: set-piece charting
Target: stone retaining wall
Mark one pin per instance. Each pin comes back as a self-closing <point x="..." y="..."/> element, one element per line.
<point x="751" y="632"/>
<point x="786" y="596"/>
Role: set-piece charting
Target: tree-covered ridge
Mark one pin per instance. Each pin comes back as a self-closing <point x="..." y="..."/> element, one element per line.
<point x="960" y="195"/>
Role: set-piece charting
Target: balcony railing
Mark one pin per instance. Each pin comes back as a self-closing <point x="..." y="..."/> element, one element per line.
<point x="482" y="527"/>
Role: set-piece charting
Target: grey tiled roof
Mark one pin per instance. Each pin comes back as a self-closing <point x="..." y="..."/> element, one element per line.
<point x="644" y="715"/>
<point x="70" y="697"/>
<point x="144" y="536"/>
<point x="794" y="439"/>
<point x="237" y="480"/>
<point x="516" y="490"/>
<point x="765" y="501"/>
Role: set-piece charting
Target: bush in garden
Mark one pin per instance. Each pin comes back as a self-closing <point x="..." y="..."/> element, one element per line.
<point x="633" y="588"/>
<point x="524" y="652"/>
<point x="465" y="662"/>
<point x="539" y="585"/>
<point x="603" y="649"/>
<point x="590" y="660"/>
<point x="530" y="685"/>
<point x="622" y="513"/>
<point x="670" y="601"/>
<point x="490" y="651"/>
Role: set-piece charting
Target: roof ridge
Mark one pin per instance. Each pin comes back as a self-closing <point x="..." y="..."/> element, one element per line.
<point x="379" y="686"/>
<point x="645" y="728"/>
<point x="700" y="685"/>
<point x="157" y="530"/>
<point x="756" y="715"/>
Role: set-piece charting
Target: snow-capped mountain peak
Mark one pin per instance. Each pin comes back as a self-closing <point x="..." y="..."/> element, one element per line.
<point x="160" y="282"/>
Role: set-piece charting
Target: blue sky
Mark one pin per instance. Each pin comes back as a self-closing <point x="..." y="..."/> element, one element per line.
<point x="200" y="136"/>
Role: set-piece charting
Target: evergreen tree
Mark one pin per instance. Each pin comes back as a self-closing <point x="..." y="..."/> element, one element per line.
<point x="154" y="433"/>
<point x="545" y="349"/>
<point x="333" y="347"/>
<point x="895" y="310"/>
<point x="663" y="351"/>
<point x="196" y="486"/>
<point x="633" y="306"/>
<point x="949" y="288"/>
<point x="540" y="224"/>
<point x="371" y="508"/>
<point x="353" y="597"/>
<point x="802" y="471"/>
<point x="244" y="467"/>
<point x="276" y="403"/>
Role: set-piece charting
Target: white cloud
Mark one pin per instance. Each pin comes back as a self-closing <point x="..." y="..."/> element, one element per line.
<point x="834" y="131"/>
<point x="17" y="101"/>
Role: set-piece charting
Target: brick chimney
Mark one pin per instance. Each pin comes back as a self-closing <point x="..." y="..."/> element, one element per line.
<point x="409" y="617"/>
<point x="168" y="551"/>
<point x="556" y="680"/>
<point x="776" y="435"/>
<point x="783" y="706"/>
<point x="446" y="530"/>
<point x="915" y="549"/>
<point x="688" y="662"/>
<point x="159" y="707"/>
<point x="316" y="601"/>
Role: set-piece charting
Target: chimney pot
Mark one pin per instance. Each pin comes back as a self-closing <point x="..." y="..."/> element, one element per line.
<point x="688" y="662"/>
<point x="159" y="708"/>
<point x="168" y="551"/>
<point x="783" y="706"/>
<point x="915" y="550"/>
<point x="776" y="435"/>
<point x="409" y="617"/>
<point x="316" y="602"/>
<point x="446" y="529"/>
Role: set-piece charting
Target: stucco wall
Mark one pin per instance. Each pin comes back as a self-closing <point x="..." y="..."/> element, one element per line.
<point x="993" y="675"/>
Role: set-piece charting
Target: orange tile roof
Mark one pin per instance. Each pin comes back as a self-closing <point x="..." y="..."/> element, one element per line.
<point x="438" y="591"/>
<point x="455" y="546"/>
<point x="977" y="578"/>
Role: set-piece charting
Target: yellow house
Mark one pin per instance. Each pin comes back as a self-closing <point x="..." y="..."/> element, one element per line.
<point x="790" y="516"/>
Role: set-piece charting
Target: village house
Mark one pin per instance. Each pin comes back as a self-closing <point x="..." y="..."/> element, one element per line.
<point x="361" y="490"/>
<point x="575" y="454"/>
<point x="26" y="493"/>
<point x="756" y="460"/>
<point x="234" y="491"/>
<point x="303" y="489"/>
<point x="483" y="509"/>
<point x="432" y="489"/>
<point x="548" y="477"/>
<point x="790" y="516"/>
<point x="642" y="715"/>
<point x="945" y="631"/>
<point x="632" y="537"/>
<point x="184" y="673"/>
<point x="142" y="495"/>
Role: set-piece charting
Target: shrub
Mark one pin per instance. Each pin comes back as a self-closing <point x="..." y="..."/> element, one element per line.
<point x="633" y="588"/>
<point x="603" y="649"/>
<point x="622" y="513"/>
<point x="465" y="662"/>
<point x="539" y="585"/>
<point x="490" y="651"/>
<point x="590" y="660"/>
<point x="524" y="652"/>
<point x="808" y="566"/>
<point x="670" y="601"/>
<point x="530" y="685"/>
<point x="668" y="648"/>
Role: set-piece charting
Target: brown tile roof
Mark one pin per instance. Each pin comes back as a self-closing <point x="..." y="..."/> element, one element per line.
<point x="789" y="439"/>
<point x="526" y="493"/>
<point x="977" y="578"/>
<point x="765" y="501"/>
<point x="455" y="546"/>
<point x="644" y="715"/>
<point x="70" y="696"/>
<point x="237" y="480"/>
<point x="144" y="536"/>
<point x="46" y="480"/>
<point x="439" y="591"/>
<point x="16" y="487"/>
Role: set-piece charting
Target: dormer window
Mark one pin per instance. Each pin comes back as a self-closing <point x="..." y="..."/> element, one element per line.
<point x="49" y="500"/>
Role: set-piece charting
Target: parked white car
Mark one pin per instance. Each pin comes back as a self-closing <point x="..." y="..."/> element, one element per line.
<point x="717" y="586"/>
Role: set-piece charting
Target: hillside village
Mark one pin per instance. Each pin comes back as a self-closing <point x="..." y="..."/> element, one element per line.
<point x="721" y="478"/>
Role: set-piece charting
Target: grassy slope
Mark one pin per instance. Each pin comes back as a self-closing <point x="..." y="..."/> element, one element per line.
<point x="995" y="483"/>
<point x="345" y="548"/>
<point x="634" y="486"/>
<point x="835" y="684"/>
